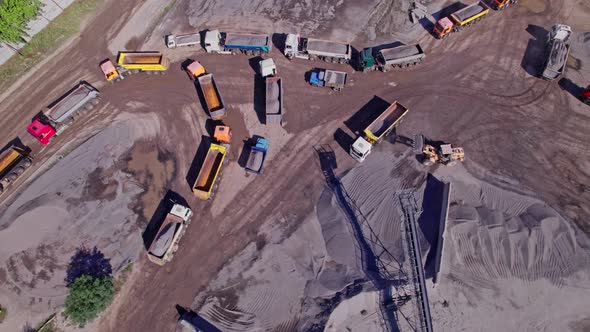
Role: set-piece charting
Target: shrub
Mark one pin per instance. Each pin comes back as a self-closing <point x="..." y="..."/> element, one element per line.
<point x="88" y="297"/>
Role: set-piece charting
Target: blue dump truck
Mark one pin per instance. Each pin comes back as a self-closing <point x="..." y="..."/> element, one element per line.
<point x="234" y="43"/>
<point x="257" y="156"/>
<point x="328" y="78"/>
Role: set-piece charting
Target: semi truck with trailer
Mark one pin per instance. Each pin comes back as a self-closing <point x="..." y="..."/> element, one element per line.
<point x="13" y="162"/>
<point x="213" y="99"/>
<point x="385" y="59"/>
<point x="460" y="19"/>
<point x="189" y="39"/>
<point x="376" y="130"/>
<point x="234" y="43"/>
<point x="61" y="113"/>
<point x="274" y="101"/>
<point x="313" y="49"/>
<point x="166" y="241"/>
<point x="129" y="62"/>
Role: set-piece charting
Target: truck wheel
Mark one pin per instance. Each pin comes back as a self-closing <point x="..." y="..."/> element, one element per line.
<point x="95" y="101"/>
<point x="149" y="72"/>
<point x="427" y="162"/>
<point x="19" y="170"/>
<point x="12" y="176"/>
<point x="135" y="71"/>
<point x="1" y="188"/>
<point x="27" y="163"/>
<point x="88" y="106"/>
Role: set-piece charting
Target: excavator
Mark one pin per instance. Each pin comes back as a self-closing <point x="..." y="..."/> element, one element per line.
<point x="431" y="154"/>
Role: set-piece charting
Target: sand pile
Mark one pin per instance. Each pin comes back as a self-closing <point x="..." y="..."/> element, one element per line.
<point x="84" y="197"/>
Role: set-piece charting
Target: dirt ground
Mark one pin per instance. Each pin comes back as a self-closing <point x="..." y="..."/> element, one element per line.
<point x="475" y="89"/>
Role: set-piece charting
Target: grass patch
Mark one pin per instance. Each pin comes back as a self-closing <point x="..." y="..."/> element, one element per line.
<point x="3" y="313"/>
<point x="48" y="325"/>
<point x="122" y="278"/>
<point x="47" y="40"/>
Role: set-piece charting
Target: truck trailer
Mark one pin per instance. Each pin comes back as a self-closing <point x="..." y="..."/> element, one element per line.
<point x="234" y="43"/>
<point x="313" y="49"/>
<point x="60" y="114"/>
<point x="212" y="96"/>
<point x="274" y="101"/>
<point x="190" y="39"/>
<point x="165" y="243"/>
<point x="13" y="162"/>
<point x="209" y="172"/>
<point x="387" y="58"/>
<point x="379" y="128"/>
<point x="461" y="18"/>
<point x="557" y="52"/>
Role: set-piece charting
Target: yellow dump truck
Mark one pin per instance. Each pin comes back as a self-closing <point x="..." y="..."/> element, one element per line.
<point x="13" y="162"/>
<point x="210" y="170"/>
<point x="154" y="62"/>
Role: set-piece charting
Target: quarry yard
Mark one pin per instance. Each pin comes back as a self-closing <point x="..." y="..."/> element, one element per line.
<point x="280" y="251"/>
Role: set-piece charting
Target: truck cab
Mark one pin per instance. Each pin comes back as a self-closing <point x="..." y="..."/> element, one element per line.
<point x="267" y="67"/>
<point x="501" y="4"/>
<point x="586" y="95"/>
<point x="291" y="45"/>
<point x="366" y="59"/>
<point x="195" y="69"/>
<point x="110" y="71"/>
<point x="170" y="41"/>
<point x="222" y="134"/>
<point x="443" y="27"/>
<point x="212" y="41"/>
<point x="360" y="149"/>
<point x="42" y="130"/>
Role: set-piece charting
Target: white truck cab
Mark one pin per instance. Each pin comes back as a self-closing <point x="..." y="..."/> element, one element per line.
<point x="267" y="67"/>
<point x="213" y="41"/>
<point x="291" y="45"/>
<point x="360" y="149"/>
<point x="182" y="212"/>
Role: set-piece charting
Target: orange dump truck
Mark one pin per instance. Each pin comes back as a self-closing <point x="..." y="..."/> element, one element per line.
<point x="213" y="99"/>
<point x="13" y="162"/>
<point x="209" y="172"/>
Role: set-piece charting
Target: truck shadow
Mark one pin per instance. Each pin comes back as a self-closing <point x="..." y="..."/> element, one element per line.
<point x="364" y="116"/>
<point x="259" y="91"/>
<point x="159" y="215"/>
<point x="343" y="139"/>
<point x="532" y="59"/>
<point x="571" y="87"/>
<point x="199" y="323"/>
<point x="278" y="41"/>
<point x="429" y="220"/>
<point x="198" y="160"/>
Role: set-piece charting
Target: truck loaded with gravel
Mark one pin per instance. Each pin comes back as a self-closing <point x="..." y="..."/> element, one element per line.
<point x="376" y="130"/>
<point x="557" y="52"/>
<point x="212" y="96"/>
<point x="61" y="113"/>
<point x="385" y="59"/>
<point x="234" y="43"/>
<point x="274" y="101"/>
<point x="165" y="243"/>
<point x="13" y="162"/>
<point x="313" y="49"/>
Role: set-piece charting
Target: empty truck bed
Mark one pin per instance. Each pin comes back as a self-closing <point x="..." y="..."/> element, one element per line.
<point x="399" y="52"/>
<point x="335" y="77"/>
<point x="208" y="171"/>
<point x="246" y="39"/>
<point x="209" y="92"/>
<point x="58" y="111"/>
<point x="469" y="11"/>
<point x="387" y="119"/>
<point x="325" y="46"/>
<point x="255" y="160"/>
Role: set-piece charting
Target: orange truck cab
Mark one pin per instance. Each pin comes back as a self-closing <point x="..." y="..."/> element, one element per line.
<point x="222" y="134"/>
<point x="195" y="69"/>
<point x="110" y="71"/>
<point x="443" y="27"/>
<point x="501" y="4"/>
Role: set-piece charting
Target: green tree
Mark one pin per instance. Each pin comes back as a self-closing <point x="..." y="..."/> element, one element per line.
<point x="14" y="16"/>
<point x="88" y="297"/>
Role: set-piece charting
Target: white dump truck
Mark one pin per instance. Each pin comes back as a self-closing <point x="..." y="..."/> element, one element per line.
<point x="557" y="52"/>
<point x="165" y="244"/>
<point x="312" y="49"/>
<point x="190" y="39"/>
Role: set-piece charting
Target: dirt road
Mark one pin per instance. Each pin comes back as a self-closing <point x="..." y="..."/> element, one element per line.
<point x="474" y="90"/>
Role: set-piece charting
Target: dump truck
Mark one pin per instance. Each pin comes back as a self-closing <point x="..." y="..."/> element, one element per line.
<point x="189" y="39"/>
<point x="129" y="62"/>
<point x="257" y="156"/>
<point x="328" y="78"/>
<point x="376" y="130"/>
<point x="234" y="43"/>
<point x="387" y="58"/>
<point x="209" y="172"/>
<point x="460" y="19"/>
<point x="212" y="96"/>
<point x="61" y="113"/>
<point x="586" y="95"/>
<point x="274" y="101"/>
<point x="557" y="52"/>
<point x="13" y="162"/>
<point x="165" y="243"/>
<point x="267" y="67"/>
<point x="313" y="49"/>
<point x="444" y="154"/>
<point x="503" y="4"/>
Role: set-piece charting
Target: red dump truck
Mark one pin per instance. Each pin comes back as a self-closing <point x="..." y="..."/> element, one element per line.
<point x="13" y="162"/>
